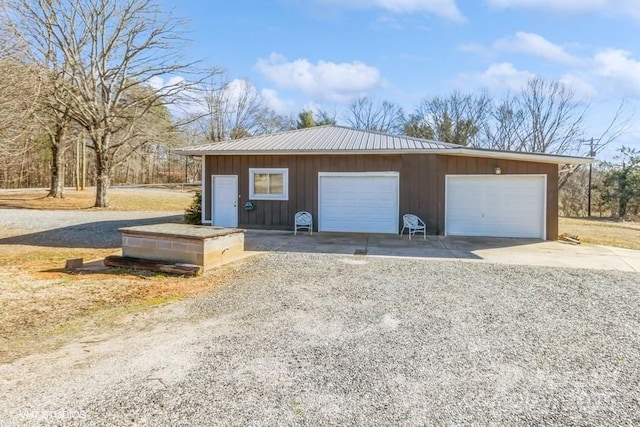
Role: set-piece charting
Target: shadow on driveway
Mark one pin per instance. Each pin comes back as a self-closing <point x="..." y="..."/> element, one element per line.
<point x="92" y="234"/>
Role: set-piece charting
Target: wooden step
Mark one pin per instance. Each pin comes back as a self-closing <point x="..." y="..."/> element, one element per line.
<point x="179" y="269"/>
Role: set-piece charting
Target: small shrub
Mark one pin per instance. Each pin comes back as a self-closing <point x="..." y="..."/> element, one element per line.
<point x="193" y="214"/>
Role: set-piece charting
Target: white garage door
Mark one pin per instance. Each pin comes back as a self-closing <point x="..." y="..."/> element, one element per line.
<point x="358" y="202"/>
<point x="495" y="205"/>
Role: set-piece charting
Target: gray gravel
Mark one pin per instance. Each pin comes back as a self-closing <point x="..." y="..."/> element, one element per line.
<point x="303" y="339"/>
<point x="60" y="228"/>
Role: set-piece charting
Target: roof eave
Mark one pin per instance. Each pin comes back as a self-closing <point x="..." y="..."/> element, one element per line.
<point x="462" y="151"/>
<point x="524" y="156"/>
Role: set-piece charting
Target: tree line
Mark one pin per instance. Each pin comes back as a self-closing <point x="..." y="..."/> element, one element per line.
<point x="90" y="96"/>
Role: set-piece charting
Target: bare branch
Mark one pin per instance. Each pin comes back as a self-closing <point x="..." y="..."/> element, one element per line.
<point x="104" y="56"/>
<point x="365" y="113"/>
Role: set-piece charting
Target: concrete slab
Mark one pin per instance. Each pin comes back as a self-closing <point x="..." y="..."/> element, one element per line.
<point x="472" y="249"/>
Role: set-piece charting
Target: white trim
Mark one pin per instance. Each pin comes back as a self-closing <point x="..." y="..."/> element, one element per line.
<point x="203" y="193"/>
<point x="544" y="207"/>
<point x="463" y="151"/>
<point x="389" y="173"/>
<point x="394" y="174"/>
<point x="544" y="201"/>
<point x="213" y="177"/>
<point x="285" y="184"/>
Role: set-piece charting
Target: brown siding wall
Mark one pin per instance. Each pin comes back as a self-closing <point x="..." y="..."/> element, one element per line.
<point x="303" y="183"/>
<point x="422" y="183"/>
<point x="477" y="165"/>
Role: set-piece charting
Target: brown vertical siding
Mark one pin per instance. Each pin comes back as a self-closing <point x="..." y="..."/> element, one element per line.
<point x="422" y="183"/>
<point x="477" y="165"/>
<point x="552" y="201"/>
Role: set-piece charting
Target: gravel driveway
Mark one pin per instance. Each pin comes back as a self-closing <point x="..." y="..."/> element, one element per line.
<point x="65" y="228"/>
<point x="309" y="339"/>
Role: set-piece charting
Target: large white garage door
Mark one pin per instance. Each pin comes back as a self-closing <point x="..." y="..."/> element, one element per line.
<point x="495" y="205"/>
<point x="358" y="202"/>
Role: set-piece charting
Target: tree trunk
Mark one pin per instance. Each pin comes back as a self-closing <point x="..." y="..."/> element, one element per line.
<point x="623" y="197"/>
<point x="622" y="208"/>
<point x="56" y="189"/>
<point x="103" y="172"/>
<point x="57" y="144"/>
<point x="24" y="157"/>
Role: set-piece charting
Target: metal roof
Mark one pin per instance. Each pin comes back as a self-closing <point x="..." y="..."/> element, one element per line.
<point x="343" y="140"/>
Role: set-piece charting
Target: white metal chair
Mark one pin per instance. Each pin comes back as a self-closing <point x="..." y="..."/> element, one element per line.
<point x="303" y="220"/>
<point x="413" y="224"/>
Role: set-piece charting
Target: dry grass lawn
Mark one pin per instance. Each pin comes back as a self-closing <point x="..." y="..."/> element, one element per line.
<point x="609" y="232"/>
<point x="42" y="306"/>
<point x="120" y="199"/>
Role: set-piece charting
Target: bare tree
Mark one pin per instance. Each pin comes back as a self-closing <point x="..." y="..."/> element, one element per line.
<point x="619" y="125"/>
<point x="269" y="121"/>
<point x="55" y="121"/>
<point x="505" y="128"/>
<point x="457" y="119"/>
<point x="324" y="117"/>
<point x="365" y="113"/>
<point x="231" y="108"/>
<point x="552" y="117"/>
<point x="19" y="94"/>
<point x="109" y="50"/>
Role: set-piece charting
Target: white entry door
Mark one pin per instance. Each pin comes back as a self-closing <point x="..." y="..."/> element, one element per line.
<point x="495" y="205"/>
<point x="224" y="199"/>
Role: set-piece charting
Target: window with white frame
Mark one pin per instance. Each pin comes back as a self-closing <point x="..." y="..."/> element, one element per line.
<point x="269" y="183"/>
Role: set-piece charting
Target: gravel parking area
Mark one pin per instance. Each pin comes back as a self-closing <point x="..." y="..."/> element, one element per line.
<point x="309" y="339"/>
<point x="59" y="228"/>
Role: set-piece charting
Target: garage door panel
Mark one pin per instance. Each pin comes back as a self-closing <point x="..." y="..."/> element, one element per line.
<point x="497" y="206"/>
<point x="359" y="203"/>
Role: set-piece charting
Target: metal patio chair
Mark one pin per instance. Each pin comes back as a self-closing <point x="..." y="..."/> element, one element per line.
<point x="413" y="224"/>
<point x="303" y="220"/>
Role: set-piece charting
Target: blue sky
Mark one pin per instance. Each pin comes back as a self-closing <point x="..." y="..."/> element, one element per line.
<point x="302" y="53"/>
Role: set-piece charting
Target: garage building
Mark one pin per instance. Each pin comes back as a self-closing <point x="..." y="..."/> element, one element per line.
<point x="362" y="181"/>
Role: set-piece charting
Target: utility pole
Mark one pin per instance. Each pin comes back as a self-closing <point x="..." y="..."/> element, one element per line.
<point x="77" y="171"/>
<point x="591" y="154"/>
<point x="186" y="169"/>
<point x="83" y="182"/>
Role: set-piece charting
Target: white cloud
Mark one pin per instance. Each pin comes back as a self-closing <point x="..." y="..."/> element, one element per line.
<point x="238" y="89"/>
<point x="273" y="100"/>
<point x="620" y="7"/>
<point x="609" y="73"/>
<point x="619" y="70"/>
<point x="477" y="49"/>
<point x="156" y="82"/>
<point x="499" y="77"/>
<point x="325" y="80"/>
<point x="536" y="45"/>
<point x="159" y="83"/>
<point x="443" y="8"/>
<point x="385" y="22"/>
<point x="179" y="105"/>
<point x="564" y="5"/>
<point x="583" y="90"/>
